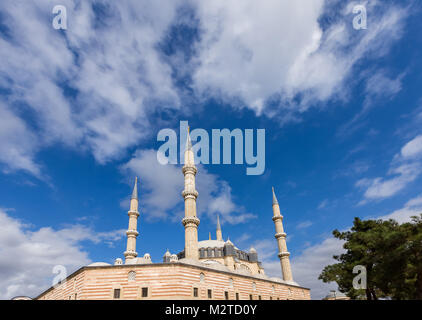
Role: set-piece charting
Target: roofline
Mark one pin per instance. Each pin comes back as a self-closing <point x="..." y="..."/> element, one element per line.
<point x="160" y="264"/>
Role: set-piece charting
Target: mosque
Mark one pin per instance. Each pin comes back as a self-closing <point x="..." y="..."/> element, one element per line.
<point x="207" y="270"/>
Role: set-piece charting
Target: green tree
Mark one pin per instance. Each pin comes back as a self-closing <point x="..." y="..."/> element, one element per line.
<point x="391" y="254"/>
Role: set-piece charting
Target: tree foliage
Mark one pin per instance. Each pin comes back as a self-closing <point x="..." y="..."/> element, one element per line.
<point x="390" y="252"/>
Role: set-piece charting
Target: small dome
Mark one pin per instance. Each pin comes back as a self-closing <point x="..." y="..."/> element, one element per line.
<point x="118" y="261"/>
<point x="167" y="254"/>
<point x="252" y="250"/>
<point x="98" y="264"/>
<point x="147" y="256"/>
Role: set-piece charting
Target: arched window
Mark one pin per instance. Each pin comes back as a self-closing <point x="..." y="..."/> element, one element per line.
<point x="231" y="282"/>
<point x="202" y="278"/>
<point x="131" y="276"/>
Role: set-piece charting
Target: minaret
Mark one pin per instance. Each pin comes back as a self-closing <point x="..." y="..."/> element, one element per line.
<point x="190" y="221"/>
<point x="218" y="232"/>
<point x="132" y="233"/>
<point x="280" y="235"/>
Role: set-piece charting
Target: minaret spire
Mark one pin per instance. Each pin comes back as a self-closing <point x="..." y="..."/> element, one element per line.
<point x="280" y="235"/>
<point x="190" y="221"/>
<point x="135" y="190"/>
<point x="275" y="201"/>
<point x="132" y="232"/>
<point x="218" y="231"/>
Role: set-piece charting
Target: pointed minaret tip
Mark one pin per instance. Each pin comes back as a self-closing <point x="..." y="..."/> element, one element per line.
<point x="218" y="222"/>
<point x="274" y="197"/>
<point x="135" y="190"/>
<point x="209" y="236"/>
<point x="188" y="140"/>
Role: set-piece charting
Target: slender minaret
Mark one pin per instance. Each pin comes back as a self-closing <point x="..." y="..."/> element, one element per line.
<point x="218" y="232"/>
<point x="280" y="235"/>
<point x="190" y="221"/>
<point x="132" y="233"/>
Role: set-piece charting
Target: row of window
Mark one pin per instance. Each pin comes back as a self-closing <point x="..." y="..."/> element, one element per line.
<point x="117" y="293"/>
<point x="226" y="295"/>
<point x="219" y="252"/>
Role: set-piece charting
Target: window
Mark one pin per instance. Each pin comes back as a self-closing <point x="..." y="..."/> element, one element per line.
<point x="202" y="278"/>
<point x="144" y="292"/>
<point x="195" y="292"/>
<point x="254" y="286"/>
<point x="131" y="276"/>
<point x="237" y="295"/>
<point x="209" y="294"/>
<point x="226" y="295"/>
<point x="259" y="297"/>
<point x="271" y="298"/>
<point x="76" y="296"/>
<point x="250" y="297"/>
<point x="116" y="294"/>
<point x="231" y="282"/>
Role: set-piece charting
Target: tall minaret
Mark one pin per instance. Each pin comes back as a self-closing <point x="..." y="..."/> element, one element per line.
<point x="190" y="221"/>
<point x="218" y="232"/>
<point x="280" y="235"/>
<point x="132" y="233"/>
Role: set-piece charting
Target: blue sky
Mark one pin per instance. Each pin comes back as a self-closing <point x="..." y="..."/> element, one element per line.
<point x="80" y="110"/>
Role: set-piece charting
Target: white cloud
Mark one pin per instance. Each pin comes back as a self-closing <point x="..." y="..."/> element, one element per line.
<point x="94" y="86"/>
<point x="412" y="208"/>
<point x="17" y="144"/>
<point x="304" y="224"/>
<point x="323" y="204"/>
<point x="89" y="87"/>
<point x="307" y="266"/>
<point x="252" y="51"/>
<point x="405" y="168"/>
<point x="161" y="187"/>
<point x="414" y="202"/>
<point x="413" y="148"/>
<point x="27" y="257"/>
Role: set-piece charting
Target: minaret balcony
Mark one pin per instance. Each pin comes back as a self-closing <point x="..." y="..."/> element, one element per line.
<point x="190" y="194"/>
<point x="189" y="169"/>
<point x="280" y="235"/>
<point x="283" y="254"/>
<point x="132" y="233"/>
<point x="130" y="253"/>
<point x="190" y="221"/>
<point x="133" y="213"/>
<point x="275" y="218"/>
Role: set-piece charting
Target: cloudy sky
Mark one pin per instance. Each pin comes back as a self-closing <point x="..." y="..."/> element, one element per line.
<point x="80" y="110"/>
